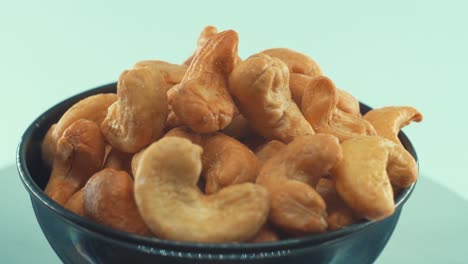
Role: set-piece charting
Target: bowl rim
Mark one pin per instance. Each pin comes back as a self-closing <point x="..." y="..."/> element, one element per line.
<point x="287" y="244"/>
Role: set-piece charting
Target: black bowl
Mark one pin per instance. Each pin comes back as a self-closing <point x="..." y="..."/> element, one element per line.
<point x="78" y="240"/>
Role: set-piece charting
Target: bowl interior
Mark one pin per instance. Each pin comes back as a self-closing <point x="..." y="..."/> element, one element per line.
<point x="35" y="176"/>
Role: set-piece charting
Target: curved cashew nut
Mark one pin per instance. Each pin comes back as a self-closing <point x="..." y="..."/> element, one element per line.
<point x="80" y="153"/>
<point x="172" y="74"/>
<point x="207" y="33"/>
<point x="296" y="62"/>
<point x="225" y="160"/>
<point x="93" y="108"/>
<point x="139" y="115"/>
<point x="75" y="203"/>
<point x="364" y="176"/>
<point x="319" y="105"/>
<point x="260" y="85"/>
<point x="338" y="213"/>
<point x="388" y="121"/>
<point x="290" y="176"/>
<point x="108" y="199"/>
<point x="268" y="150"/>
<point x="202" y="101"/>
<point x="173" y="207"/>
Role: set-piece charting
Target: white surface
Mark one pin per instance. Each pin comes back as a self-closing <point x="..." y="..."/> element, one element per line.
<point x="396" y="53"/>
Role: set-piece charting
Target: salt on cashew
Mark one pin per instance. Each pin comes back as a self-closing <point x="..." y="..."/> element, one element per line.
<point x="388" y="121"/>
<point x="225" y="160"/>
<point x="338" y="213"/>
<point x="290" y="177"/>
<point x="295" y="61"/>
<point x="207" y="33"/>
<point x="75" y="203"/>
<point x="80" y="153"/>
<point x="172" y="74"/>
<point x="108" y="199"/>
<point x="93" y="108"/>
<point x="346" y="101"/>
<point x="269" y="150"/>
<point x="174" y="208"/>
<point x="202" y="101"/>
<point x="319" y="106"/>
<point x="139" y="115"/>
<point x="265" y="234"/>
<point x="365" y="175"/>
<point x="260" y="86"/>
<point x="118" y="160"/>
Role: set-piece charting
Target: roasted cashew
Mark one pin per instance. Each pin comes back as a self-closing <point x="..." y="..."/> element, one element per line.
<point x="319" y="105"/>
<point x="388" y="121"/>
<point x="108" y="199"/>
<point x="338" y="213"/>
<point x="207" y="33"/>
<point x="268" y="150"/>
<point x="80" y="153"/>
<point x="296" y="62"/>
<point x="93" y="108"/>
<point x="172" y="74"/>
<point x="364" y="177"/>
<point x="202" y="101"/>
<point x="260" y="85"/>
<point x="75" y="203"/>
<point x="139" y="115"/>
<point x="290" y="177"/>
<point x="265" y="234"/>
<point x="173" y="207"/>
<point x="118" y="160"/>
<point x="225" y="160"/>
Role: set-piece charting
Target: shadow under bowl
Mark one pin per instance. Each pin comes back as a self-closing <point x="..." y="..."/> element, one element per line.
<point x="79" y="240"/>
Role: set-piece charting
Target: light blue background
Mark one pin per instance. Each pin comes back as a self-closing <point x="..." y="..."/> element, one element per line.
<point x="384" y="52"/>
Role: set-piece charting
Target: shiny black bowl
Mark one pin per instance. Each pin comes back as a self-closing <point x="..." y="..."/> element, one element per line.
<point x="78" y="240"/>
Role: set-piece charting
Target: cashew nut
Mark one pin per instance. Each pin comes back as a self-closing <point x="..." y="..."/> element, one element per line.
<point x="80" y="153"/>
<point x="207" y="32"/>
<point x="295" y="61"/>
<point x="290" y="176"/>
<point x="364" y="176"/>
<point x="172" y="74"/>
<point x="173" y="207"/>
<point x="139" y="115"/>
<point x="108" y="198"/>
<point x="75" y="203"/>
<point x="202" y="101"/>
<point x="225" y="160"/>
<point x="388" y="121"/>
<point x="338" y="213"/>
<point x="239" y="128"/>
<point x="268" y="150"/>
<point x="93" y="108"/>
<point x="265" y="234"/>
<point x="118" y="160"/>
<point x="319" y="105"/>
<point x="260" y="85"/>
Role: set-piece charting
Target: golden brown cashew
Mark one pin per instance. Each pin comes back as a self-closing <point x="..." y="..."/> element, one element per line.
<point x="388" y="121"/>
<point x="290" y="177"/>
<point x="93" y="108"/>
<point x="80" y="153"/>
<point x="172" y="74"/>
<point x="108" y="199"/>
<point x="296" y="62"/>
<point x="202" y="101"/>
<point x="173" y="207"/>
<point x="364" y="176"/>
<point x="118" y="160"/>
<point x="268" y="150"/>
<point x="139" y="115"/>
<point x="75" y="203"/>
<point x="260" y="85"/>
<point x="338" y="213"/>
<point x="225" y="160"/>
<point x="319" y="105"/>
<point x="346" y="101"/>
<point x="207" y="33"/>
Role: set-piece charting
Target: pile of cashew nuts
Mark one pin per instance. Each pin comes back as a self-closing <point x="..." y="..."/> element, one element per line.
<point x="220" y="149"/>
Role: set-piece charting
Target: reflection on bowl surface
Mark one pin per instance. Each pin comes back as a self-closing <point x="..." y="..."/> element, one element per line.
<point x="78" y="240"/>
